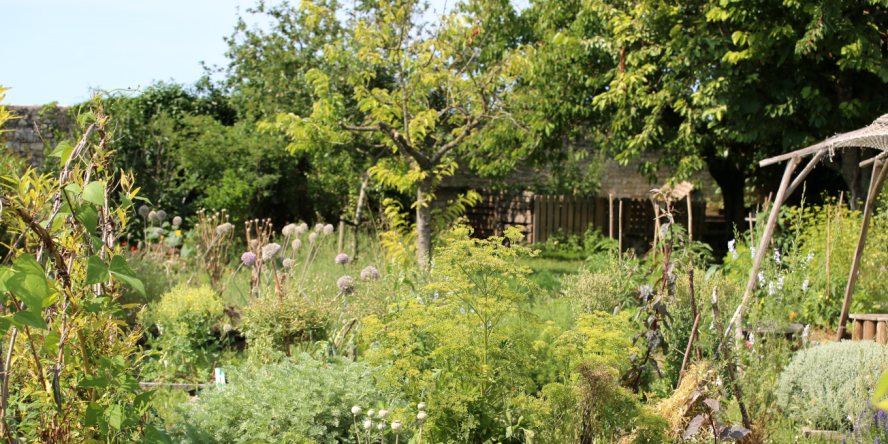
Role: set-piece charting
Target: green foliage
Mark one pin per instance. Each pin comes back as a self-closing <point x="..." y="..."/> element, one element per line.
<point x="185" y="345"/>
<point x="302" y="401"/>
<point x="276" y="327"/>
<point x="825" y="383"/>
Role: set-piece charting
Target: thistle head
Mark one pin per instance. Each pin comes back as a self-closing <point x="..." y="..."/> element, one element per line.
<point x="248" y="258"/>
<point x="296" y="244"/>
<point x="289" y="230"/>
<point x="152" y="215"/>
<point x="224" y="229"/>
<point x="341" y="258"/>
<point x="144" y="211"/>
<point x="177" y="221"/>
<point x="270" y="251"/>
<point x="370" y="274"/>
<point x="347" y="285"/>
<point x="161" y="215"/>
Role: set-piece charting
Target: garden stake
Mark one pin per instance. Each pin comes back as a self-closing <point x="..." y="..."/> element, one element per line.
<point x="684" y="363"/>
<point x="726" y="352"/>
<point x="610" y="199"/>
<point x="620" y="226"/>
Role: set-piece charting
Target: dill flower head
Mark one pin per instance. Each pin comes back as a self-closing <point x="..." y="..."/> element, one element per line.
<point x="158" y="231"/>
<point x="328" y="229"/>
<point x="152" y="215"/>
<point x="312" y="238"/>
<point x="396" y="425"/>
<point x="319" y="228"/>
<point x="347" y="285"/>
<point x="224" y="229"/>
<point x="161" y="215"/>
<point x="296" y="244"/>
<point x="356" y="410"/>
<point x="144" y="210"/>
<point x="288" y="263"/>
<point x="289" y="230"/>
<point x="177" y="221"/>
<point x="248" y="258"/>
<point x="368" y="425"/>
<point x="370" y="274"/>
<point x="254" y="243"/>
<point x="226" y="328"/>
<point x="341" y="258"/>
<point x="270" y="251"/>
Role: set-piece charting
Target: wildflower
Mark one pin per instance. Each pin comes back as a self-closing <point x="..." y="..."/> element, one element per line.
<point x="383" y="413"/>
<point x="144" y="210"/>
<point x="809" y="258"/>
<point x="254" y="243"/>
<point x="805" y="285"/>
<point x="732" y="249"/>
<point x="347" y="285"/>
<point x="780" y="282"/>
<point x="749" y="344"/>
<point x="328" y="229"/>
<point x="771" y="289"/>
<point x="368" y="424"/>
<point x="372" y="274"/>
<point x="751" y="339"/>
<point x="312" y="238"/>
<point x="270" y="251"/>
<point x="752" y="252"/>
<point x="396" y="425"/>
<point x="177" y="221"/>
<point x="152" y="215"/>
<point x="161" y="215"/>
<point x="421" y="406"/>
<point x="777" y="255"/>
<point x="289" y="230"/>
<point x="296" y="244"/>
<point x="319" y="228"/>
<point x="356" y="410"/>
<point x="224" y="229"/>
<point x="178" y="232"/>
<point x="288" y="263"/>
<point x="806" y="331"/>
<point x="421" y="416"/>
<point x="792" y="316"/>
<point x="761" y="277"/>
<point x="248" y="258"/>
<point x="166" y="363"/>
<point x="718" y="381"/>
<point x="226" y="328"/>
<point x="341" y="258"/>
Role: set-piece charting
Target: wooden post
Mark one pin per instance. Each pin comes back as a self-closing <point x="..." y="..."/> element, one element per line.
<point x="536" y="219"/>
<point x="881" y="333"/>
<point x="656" y="223"/>
<point x="810" y="166"/>
<point x="620" y="226"/>
<point x="878" y="179"/>
<point x="869" y="330"/>
<point x="341" y="235"/>
<point x="828" y="237"/>
<point x="690" y="220"/>
<point x="610" y="198"/>
<point x="762" y="249"/>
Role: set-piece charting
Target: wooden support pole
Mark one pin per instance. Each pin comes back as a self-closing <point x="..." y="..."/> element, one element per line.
<point x="620" y="226"/>
<point x="878" y="179"/>
<point x="762" y="248"/>
<point x="690" y="219"/>
<point x="610" y="198"/>
<point x="341" y="243"/>
<point x="869" y="161"/>
<point x="808" y="168"/>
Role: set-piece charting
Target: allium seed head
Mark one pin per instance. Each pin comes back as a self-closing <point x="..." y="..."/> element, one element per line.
<point x="421" y="406"/>
<point x="226" y="328"/>
<point x="312" y="238"/>
<point x="368" y="425"/>
<point x="144" y="211"/>
<point x="270" y="251"/>
<point x="296" y="244"/>
<point x="152" y="215"/>
<point x="302" y="228"/>
<point x="248" y="258"/>
<point x="383" y="413"/>
<point x="158" y="231"/>
<point x="328" y="229"/>
<point x="319" y="228"/>
<point x="356" y="410"/>
<point x="370" y="274"/>
<point x="254" y="243"/>
<point x="224" y="229"/>
<point x="289" y="230"/>
<point x="347" y="285"/>
<point x="341" y="258"/>
<point x="422" y="416"/>
<point x="161" y="215"/>
<point x="288" y="263"/>
<point x="177" y="221"/>
<point x="396" y="425"/>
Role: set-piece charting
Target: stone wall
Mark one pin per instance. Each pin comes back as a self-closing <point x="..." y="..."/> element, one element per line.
<point x="37" y="128"/>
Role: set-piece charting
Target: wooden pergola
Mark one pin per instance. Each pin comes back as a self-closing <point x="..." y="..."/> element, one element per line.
<point x="872" y="136"/>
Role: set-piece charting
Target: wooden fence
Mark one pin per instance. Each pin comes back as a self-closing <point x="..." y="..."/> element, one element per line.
<point x="542" y="216"/>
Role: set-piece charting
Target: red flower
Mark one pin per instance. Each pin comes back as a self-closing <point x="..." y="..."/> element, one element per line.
<point x="749" y="344"/>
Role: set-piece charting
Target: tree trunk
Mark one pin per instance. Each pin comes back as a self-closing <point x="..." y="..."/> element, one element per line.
<point x="732" y="182"/>
<point x="423" y="224"/>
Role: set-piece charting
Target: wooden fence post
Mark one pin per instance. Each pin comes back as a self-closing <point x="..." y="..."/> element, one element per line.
<point x="610" y="198"/>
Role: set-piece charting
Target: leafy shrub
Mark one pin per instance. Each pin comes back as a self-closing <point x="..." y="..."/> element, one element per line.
<point x="184" y="342"/>
<point x="603" y="290"/>
<point x="824" y="384"/>
<point x="274" y="326"/>
<point x="300" y="401"/>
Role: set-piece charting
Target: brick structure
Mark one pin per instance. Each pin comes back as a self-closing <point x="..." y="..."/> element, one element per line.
<point x="36" y="129"/>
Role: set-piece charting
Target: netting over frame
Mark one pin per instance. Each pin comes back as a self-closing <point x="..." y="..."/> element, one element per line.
<point x="872" y="136"/>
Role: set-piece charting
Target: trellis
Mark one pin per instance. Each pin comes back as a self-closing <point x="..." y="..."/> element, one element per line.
<point x="872" y="136"/>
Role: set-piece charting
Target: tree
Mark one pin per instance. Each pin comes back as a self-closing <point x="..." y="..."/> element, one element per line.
<point x="441" y="96"/>
<point x="725" y="85"/>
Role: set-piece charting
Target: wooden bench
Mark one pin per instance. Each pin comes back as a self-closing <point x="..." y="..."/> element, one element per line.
<point x="870" y="327"/>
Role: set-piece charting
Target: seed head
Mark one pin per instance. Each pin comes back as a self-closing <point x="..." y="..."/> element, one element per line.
<point x="319" y="228"/>
<point x="341" y="258"/>
<point x="289" y="230"/>
<point x="226" y="328"/>
<point x="368" y="425"/>
<point x="380" y="426"/>
<point x="152" y="215"/>
<point x="224" y="229"/>
<point x="302" y="228"/>
<point x="383" y="413"/>
<point x="312" y="238"/>
<point x="421" y="406"/>
<point x="288" y="263"/>
<point x="370" y="274"/>
<point x="254" y="243"/>
<point x="328" y="230"/>
<point x="371" y="412"/>
<point x="144" y="211"/>
<point x="177" y="221"/>
<point x="270" y="251"/>
<point x="421" y="416"/>
<point x="356" y="410"/>
<point x="296" y="244"/>
<point x="248" y="258"/>
<point x="347" y="285"/>
<point x="396" y="425"/>
<point x="161" y="215"/>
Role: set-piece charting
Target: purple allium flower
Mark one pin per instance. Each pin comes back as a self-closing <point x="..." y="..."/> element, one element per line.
<point x="341" y="258"/>
<point x="161" y="215"/>
<point x="248" y="258"/>
<point x="144" y="211"/>
<point x="177" y="221"/>
<point x="224" y="229"/>
<point x="370" y="274"/>
<point x="270" y="251"/>
<point x="289" y="230"/>
<point x="346" y="284"/>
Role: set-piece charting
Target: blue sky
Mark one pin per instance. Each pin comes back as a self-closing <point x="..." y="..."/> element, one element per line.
<point x="56" y="50"/>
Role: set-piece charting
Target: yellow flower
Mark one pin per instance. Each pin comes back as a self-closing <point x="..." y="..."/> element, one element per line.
<point x="178" y="232"/>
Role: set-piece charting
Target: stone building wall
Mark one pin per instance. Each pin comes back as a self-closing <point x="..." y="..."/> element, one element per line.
<point x="37" y="128"/>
